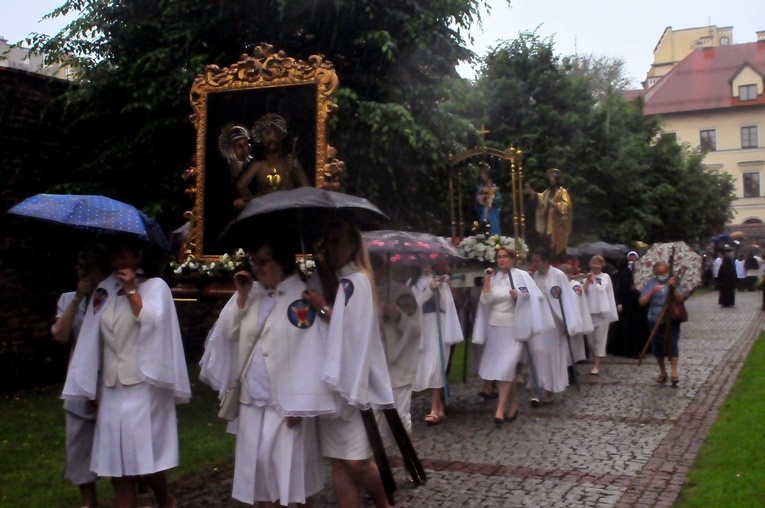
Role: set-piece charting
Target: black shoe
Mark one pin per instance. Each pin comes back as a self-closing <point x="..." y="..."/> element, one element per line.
<point x="487" y="396"/>
<point x="509" y="419"/>
<point x="498" y="421"/>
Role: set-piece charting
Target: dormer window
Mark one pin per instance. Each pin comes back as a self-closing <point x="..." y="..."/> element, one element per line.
<point x="747" y="92"/>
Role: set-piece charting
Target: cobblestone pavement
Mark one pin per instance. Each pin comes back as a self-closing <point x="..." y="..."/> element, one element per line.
<point x="620" y="441"/>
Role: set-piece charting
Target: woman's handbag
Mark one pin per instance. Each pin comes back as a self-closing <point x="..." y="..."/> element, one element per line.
<point x="229" y="406"/>
<point x="678" y="312"/>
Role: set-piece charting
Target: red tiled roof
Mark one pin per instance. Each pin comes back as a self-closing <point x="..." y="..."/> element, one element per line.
<point x="702" y="80"/>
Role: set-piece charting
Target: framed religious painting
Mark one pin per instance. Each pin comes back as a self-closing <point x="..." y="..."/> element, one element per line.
<point x="261" y="126"/>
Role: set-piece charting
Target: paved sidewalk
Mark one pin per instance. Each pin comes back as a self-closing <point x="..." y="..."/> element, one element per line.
<point x="620" y="441"/>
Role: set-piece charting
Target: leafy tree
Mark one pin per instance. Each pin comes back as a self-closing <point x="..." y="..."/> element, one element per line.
<point x="604" y="74"/>
<point x="627" y="182"/>
<point x="136" y="60"/>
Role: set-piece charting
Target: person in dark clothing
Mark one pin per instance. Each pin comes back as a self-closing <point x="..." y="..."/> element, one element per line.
<point x="726" y="282"/>
<point x="627" y="335"/>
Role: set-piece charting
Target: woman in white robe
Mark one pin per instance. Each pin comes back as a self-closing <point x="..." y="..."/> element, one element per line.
<point x="602" y="304"/>
<point x="269" y="337"/>
<point x="510" y="311"/>
<point x="129" y="357"/>
<point x="80" y="415"/>
<point x="399" y="316"/>
<point x="440" y="330"/>
<point x="577" y="340"/>
<point x="550" y="348"/>
<point x="355" y="365"/>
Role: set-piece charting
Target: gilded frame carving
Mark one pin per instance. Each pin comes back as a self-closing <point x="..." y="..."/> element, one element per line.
<point x="269" y="81"/>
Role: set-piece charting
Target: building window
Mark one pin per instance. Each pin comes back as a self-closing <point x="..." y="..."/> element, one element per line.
<point x="708" y="140"/>
<point x="749" y="137"/>
<point x="747" y="92"/>
<point x="752" y="185"/>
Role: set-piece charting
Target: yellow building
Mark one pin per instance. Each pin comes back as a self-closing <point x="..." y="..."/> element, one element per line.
<point x="713" y="99"/>
<point x="675" y="45"/>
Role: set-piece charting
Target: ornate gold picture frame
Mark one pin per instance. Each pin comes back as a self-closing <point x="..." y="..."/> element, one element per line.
<point x="266" y="84"/>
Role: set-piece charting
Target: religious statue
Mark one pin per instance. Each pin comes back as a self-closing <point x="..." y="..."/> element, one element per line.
<point x="234" y="146"/>
<point x="278" y="170"/>
<point x="554" y="213"/>
<point x="488" y="200"/>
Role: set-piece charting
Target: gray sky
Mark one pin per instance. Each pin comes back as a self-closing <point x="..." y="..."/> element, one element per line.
<point x="614" y="28"/>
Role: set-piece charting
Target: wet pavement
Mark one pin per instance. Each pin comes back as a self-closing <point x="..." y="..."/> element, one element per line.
<point x="622" y="440"/>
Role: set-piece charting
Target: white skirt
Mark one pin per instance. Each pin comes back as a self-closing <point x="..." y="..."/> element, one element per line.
<point x="136" y="431"/>
<point x="597" y="339"/>
<point x="275" y="462"/>
<point x="550" y="352"/>
<point x="501" y="354"/>
<point x="343" y="436"/>
<point x="79" y="447"/>
<point x="430" y="372"/>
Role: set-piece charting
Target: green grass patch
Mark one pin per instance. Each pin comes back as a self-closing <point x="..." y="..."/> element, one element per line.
<point x="32" y="445"/>
<point x="730" y="468"/>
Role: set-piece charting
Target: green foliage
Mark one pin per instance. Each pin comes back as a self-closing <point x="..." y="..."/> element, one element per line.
<point x="627" y="182"/>
<point x="137" y="58"/>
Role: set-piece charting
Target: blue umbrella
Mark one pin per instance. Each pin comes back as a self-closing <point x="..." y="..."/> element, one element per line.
<point x="97" y="214"/>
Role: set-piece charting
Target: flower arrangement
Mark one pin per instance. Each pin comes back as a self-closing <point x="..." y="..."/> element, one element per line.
<point x="483" y="247"/>
<point x="224" y="266"/>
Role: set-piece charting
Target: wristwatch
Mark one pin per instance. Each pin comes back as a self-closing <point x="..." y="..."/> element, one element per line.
<point x="325" y="310"/>
<point x="132" y="292"/>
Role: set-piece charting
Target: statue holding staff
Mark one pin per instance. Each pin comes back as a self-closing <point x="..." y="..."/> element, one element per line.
<point x="554" y="213"/>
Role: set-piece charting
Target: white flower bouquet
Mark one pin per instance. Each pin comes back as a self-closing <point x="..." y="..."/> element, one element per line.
<point x="224" y="266"/>
<point x="484" y="247"/>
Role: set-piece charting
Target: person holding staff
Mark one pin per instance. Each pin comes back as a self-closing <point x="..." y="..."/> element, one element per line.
<point x="655" y="295"/>
<point x="440" y="329"/>
<point x="355" y="365"/>
<point x="511" y="309"/>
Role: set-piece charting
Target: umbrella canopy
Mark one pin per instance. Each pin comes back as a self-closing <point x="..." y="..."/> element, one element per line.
<point x="411" y="248"/>
<point x="97" y="214"/>
<point x="303" y="210"/>
<point x="607" y="250"/>
<point x="685" y="259"/>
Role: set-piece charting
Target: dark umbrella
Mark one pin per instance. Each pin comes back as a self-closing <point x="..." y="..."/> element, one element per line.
<point x="96" y="214"/>
<point x="303" y="210"/>
<point x="607" y="250"/>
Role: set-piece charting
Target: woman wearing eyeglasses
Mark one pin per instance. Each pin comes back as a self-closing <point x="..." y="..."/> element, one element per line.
<point x="269" y="339"/>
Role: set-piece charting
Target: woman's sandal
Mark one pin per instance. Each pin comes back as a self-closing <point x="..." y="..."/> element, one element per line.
<point x="674" y="380"/>
<point x="662" y="379"/>
<point x="433" y="419"/>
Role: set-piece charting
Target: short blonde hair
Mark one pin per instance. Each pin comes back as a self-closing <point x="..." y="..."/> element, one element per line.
<point x="598" y="258"/>
<point x="567" y="269"/>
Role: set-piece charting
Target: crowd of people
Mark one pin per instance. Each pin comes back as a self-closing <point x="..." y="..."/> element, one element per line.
<point x="310" y="362"/>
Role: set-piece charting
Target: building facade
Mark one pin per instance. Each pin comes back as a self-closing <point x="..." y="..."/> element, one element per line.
<point x="17" y="57"/>
<point x="713" y="99"/>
